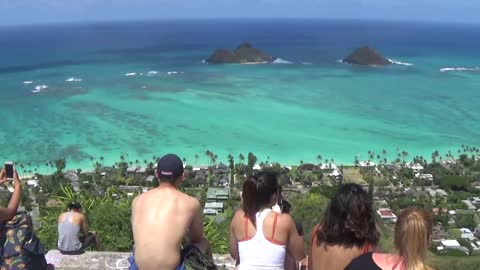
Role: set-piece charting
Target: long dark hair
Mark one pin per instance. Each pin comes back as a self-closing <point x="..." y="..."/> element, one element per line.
<point x="349" y="219"/>
<point x="257" y="192"/>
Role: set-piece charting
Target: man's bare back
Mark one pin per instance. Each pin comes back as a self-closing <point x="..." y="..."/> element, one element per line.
<point x="160" y="220"/>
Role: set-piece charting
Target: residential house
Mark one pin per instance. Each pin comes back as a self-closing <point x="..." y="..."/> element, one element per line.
<point x="454" y="245"/>
<point x="132" y="169"/>
<point x="387" y="215"/>
<point x="213" y="208"/>
<point x="366" y="164"/>
<point x="141" y="170"/>
<point x="218" y="194"/>
<point x="467" y="234"/>
<point x="416" y="167"/>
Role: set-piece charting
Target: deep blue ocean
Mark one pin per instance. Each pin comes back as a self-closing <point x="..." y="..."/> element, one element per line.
<point x="307" y="104"/>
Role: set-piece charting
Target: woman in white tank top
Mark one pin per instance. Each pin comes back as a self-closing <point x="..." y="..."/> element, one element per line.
<point x="260" y="237"/>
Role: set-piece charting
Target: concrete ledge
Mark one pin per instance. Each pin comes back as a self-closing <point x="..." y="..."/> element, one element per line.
<point x="89" y="260"/>
<point x="99" y="260"/>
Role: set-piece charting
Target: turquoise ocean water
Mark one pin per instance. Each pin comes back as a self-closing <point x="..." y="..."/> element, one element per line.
<point x="306" y="105"/>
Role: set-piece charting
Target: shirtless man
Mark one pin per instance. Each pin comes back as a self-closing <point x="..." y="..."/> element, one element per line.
<point x="162" y="217"/>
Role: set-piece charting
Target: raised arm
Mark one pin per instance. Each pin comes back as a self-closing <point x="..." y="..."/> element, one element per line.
<point x="11" y="210"/>
<point x="196" y="234"/>
<point x="296" y="243"/>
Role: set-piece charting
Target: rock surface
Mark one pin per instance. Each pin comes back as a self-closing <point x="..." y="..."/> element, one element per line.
<point x="93" y="260"/>
<point x="244" y="54"/>
<point x="367" y="56"/>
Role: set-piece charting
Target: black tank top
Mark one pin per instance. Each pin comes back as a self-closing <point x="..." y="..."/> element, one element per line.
<point x="363" y="262"/>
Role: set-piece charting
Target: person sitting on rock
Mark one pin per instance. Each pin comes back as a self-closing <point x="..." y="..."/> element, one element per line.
<point x="260" y="238"/>
<point x="71" y="225"/>
<point x="162" y="217"/>
<point x="347" y="230"/>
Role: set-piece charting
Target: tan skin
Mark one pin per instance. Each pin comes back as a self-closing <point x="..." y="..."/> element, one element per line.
<point x="161" y="218"/>
<point x="79" y="219"/>
<point x="285" y="234"/>
<point x="10" y="211"/>
<point x="324" y="257"/>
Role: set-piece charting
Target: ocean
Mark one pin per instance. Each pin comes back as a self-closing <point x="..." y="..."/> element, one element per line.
<point x="140" y="89"/>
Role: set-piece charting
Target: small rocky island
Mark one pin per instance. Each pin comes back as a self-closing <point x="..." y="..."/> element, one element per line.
<point x="367" y="56"/>
<point x="244" y="54"/>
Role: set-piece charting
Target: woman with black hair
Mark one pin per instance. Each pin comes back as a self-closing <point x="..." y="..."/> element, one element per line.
<point x="259" y="237"/>
<point x="347" y="230"/>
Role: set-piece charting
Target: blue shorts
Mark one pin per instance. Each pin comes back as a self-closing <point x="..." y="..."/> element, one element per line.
<point x="181" y="265"/>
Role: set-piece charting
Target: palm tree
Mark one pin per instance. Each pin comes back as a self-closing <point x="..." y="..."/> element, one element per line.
<point x="231" y="163"/>
<point x="241" y="158"/>
<point x="196" y="159"/>
<point x="184" y="160"/>
<point x="319" y="158"/>
<point x="209" y="155"/>
<point x="145" y="162"/>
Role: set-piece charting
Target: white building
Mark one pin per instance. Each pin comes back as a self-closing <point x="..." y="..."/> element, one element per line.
<point x="424" y="176"/>
<point x="132" y="169"/>
<point x="32" y="183"/>
<point x="328" y="166"/>
<point x="451" y="244"/>
<point x="467" y="234"/>
<point x="416" y="167"/>
<point x="213" y="207"/>
<point x="366" y="164"/>
<point x="454" y="245"/>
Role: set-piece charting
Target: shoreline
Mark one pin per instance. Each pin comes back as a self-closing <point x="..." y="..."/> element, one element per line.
<point x="203" y="161"/>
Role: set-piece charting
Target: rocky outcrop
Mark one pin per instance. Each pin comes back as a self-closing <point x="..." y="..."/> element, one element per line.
<point x="244" y="54"/>
<point x="101" y="260"/>
<point x="367" y="56"/>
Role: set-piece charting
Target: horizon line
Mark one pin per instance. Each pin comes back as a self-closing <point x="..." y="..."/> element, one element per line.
<point x="185" y="19"/>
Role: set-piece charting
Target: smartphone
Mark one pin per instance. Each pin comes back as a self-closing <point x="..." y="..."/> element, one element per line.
<point x="9" y="170"/>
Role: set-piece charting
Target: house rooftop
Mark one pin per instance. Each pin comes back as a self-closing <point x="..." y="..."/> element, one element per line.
<point x="451" y="243"/>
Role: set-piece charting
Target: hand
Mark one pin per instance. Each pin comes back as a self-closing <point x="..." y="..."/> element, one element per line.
<point x="2" y="176"/>
<point x="16" y="179"/>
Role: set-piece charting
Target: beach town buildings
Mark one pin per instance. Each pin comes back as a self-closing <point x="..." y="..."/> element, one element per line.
<point x="216" y="198"/>
<point x="387" y="215"/>
<point x="213" y="208"/>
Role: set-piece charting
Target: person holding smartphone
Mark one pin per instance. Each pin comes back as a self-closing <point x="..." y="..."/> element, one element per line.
<point x="9" y="173"/>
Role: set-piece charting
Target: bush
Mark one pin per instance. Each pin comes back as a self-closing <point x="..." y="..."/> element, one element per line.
<point x="309" y="210"/>
<point x="466" y="221"/>
<point x="455" y="182"/>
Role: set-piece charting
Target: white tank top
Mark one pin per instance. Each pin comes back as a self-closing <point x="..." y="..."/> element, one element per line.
<point x="258" y="253"/>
